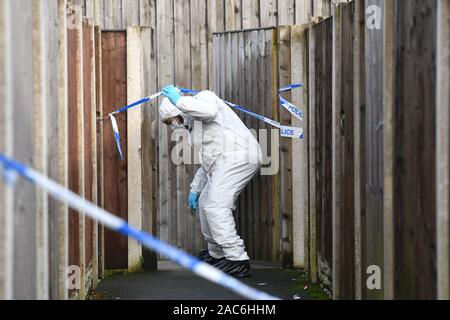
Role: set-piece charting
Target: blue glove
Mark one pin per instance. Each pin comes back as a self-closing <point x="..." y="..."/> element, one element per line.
<point x="193" y="200"/>
<point x="172" y="93"/>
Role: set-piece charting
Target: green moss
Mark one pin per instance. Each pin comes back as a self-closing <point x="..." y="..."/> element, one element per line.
<point x="303" y="287"/>
<point x="114" y="273"/>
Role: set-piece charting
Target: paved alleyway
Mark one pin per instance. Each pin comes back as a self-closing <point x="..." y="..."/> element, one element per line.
<point x="174" y="283"/>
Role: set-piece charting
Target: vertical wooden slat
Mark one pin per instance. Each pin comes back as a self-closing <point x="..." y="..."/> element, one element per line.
<point x="108" y="14"/>
<point x="286" y="12"/>
<point x="268" y="13"/>
<point x="286" y="150"/>
<point x="233" y="15"/>
<point x="247" y="195"/>
<point x="442" y="151"/>
<point x="115" y="171"/>
<point x="183" y="75"/>
<point x="415" y="156"/>
<point x="99" y="13"/>
<point x="89" y="7"/>
<point x="54" y="63"/>
<point x="374" y="181"/>
<point x="346" y="228"/>
<point x="62" y="220"/>
<point x="299" y="74"/>
<point x="89" y="146"/>
<point x="303" y="11"/>
<point x="388" y="154"/>
<point x="42" y="40"/>
<point x="336" y="146"/>
<point x="134" y="140"/>
<point x="313" y="150"/>
<point x="359" y="105"/>
<point x="20" y="59"/>
<point x="130" y="13"/>
<point x="100" y="151"/>
<point x="76" y="141"/>
<point x="145" y="17"/>
<point x="117" y="20"/>
<point x="165" y="77"/>
<point x="276" y="186"/>
<point x="250" y="14"/>
<point x="323" y="98"/>
<point x="149" y="145"/>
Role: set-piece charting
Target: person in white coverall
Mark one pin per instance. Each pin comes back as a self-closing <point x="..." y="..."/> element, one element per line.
<point x="231" y="157"/>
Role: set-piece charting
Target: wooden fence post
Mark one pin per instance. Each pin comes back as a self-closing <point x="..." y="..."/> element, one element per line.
<point x="442" y="151"/>
<point x="134" y="141"/>
<point x="336" y="147"/>
<point x="300" y="148"/>
<point x="61" y="218"/>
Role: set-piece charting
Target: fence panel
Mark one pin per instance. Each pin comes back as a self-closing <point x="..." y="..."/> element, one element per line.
<point x="415" y="150"/>
<point x="115" y="171"/>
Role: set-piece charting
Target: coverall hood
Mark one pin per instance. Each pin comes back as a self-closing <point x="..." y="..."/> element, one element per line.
<point x="167" y="110"/>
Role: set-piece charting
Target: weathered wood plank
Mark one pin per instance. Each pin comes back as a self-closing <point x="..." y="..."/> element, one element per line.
<point x="76" y="141"/>
<point x="115" y="171"/>
<point x="62" y="221"/>
<point x="99" y="13"/>
<point x="323" y="97"/>
<point x="359" y="138"/>
<point x="89" y="117"/>
<point x="336" y="146"/>
<point x="20" y="61"/>
<point x="286" y="150"/>
<point x="145" y="16"/>
<point x="130" y="13"/>
<point x="5" y="214"/>
<point x="250" y="14"/>
<point x="268" y="13"/>
<point x="415" y="156"/>
<point x="149" y="146"/>
<point x="165" y="60"/>
<point x="108" y="14"/>
<point x="42" y="41"/>
<point x="276" y="181"/>
<point x="442" y="151"/>
<point x="388" y="154"/>
<point x="100" y="150"/>
<point x="346" y="228"/>
<point x="303" y="11"/>
<point x="374" y="180"/>
<point x="233" y="15"/>
<point x="286" y="12"/>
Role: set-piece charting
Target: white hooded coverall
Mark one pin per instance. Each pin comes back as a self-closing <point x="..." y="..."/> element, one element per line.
<point x="231" y="157"/>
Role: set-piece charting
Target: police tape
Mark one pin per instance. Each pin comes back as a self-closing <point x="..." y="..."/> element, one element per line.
<point x="13" y="169"/>
<point x="285" y="131"/>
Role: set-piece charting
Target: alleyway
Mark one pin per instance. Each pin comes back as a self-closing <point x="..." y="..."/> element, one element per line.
<point x="174" y="283"/>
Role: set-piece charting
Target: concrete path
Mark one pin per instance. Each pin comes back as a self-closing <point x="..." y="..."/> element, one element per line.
<point x="174" y="283"/>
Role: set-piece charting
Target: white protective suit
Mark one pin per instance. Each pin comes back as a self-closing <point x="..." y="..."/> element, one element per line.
<point x="231" y="156"/>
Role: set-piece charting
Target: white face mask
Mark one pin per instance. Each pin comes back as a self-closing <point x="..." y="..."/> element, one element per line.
<point x="176" y="125"/>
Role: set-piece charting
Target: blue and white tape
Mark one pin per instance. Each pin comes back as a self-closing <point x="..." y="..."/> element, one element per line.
<point x="291" y="87"/>
<point x="115" y="128"/>
<point x="274" y="123"/>
<point x="296" y="112"/>
<point x="292" y="132"/>
<point x="12" y="168"/>
<point x="286" y="104"/>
